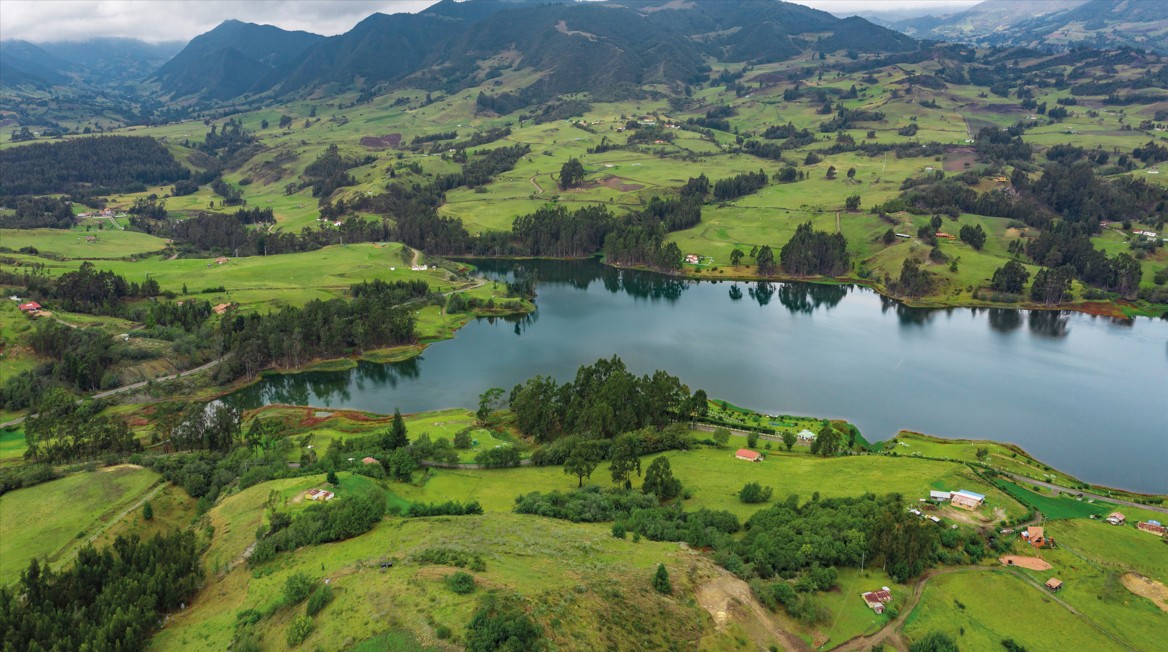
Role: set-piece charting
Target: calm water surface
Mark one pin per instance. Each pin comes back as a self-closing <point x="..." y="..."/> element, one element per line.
<point x="1088" y="395"/>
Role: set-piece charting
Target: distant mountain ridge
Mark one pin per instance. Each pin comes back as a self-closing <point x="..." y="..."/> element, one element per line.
<point x="594" y="47"/>
<point x="94" y="61"/>
<point x="1050" y="23"/>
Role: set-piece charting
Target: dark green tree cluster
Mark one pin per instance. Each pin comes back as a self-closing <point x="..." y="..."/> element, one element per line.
<point x="335" y="520"/>
<point x="914" y="280"/>
<point x="659" y="480"/>
<point x="973" y="236"/>
<point x="739" y="185"/>
<point x="604" y="399"/>
<point x="811" y="252"/>
<point x="1010" y="278"/>
<point x="571" y="174"/>
<point x="501" y="624"/>
<point x="88" y="166"/>
<point x="65" y="431"/>
<point x="753" y="492"/>
<point x="448" y="508"/>
<point x="111" y="599"/>
<point x="375" y="317"/>
<point x="330" y="171"/>
<point x="36" y="213"/>
<point x="787" y="538"/>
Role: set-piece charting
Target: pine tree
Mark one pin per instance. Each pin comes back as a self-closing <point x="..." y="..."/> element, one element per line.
<point x="661" y="581"/>
<point x="398" y="436"/>
<point x="148" y="511"/>
<point x="332" y="478"/>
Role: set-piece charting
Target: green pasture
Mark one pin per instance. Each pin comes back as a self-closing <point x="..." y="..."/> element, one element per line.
<point x="577" y="577"/>
<point x="980" y="608"/>
<point x="1055" y="507"/>
<point x="73" y="243"/>
<point x="47" y="520"/>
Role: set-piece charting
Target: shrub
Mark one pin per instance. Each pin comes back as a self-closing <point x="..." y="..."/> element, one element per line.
<point x="297" y="587"/>
<point x="753" y="492"/>
<point x="460" y="582"/>
<point x="318" y="600"/>
<point x="299" y="630"/>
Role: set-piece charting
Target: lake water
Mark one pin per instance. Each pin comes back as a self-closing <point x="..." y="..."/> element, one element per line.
<point x="1088" y="395"/>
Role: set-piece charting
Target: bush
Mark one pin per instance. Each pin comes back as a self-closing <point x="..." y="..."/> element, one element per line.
<point x="297" y="587"/>
<point x="442" y="632"/>
<point x="460" y="582"/>
<point x="318" y="600"/>
<point x="500" y="623"/>
<point x="299" y="630"/>
<point x="753" y="492"/>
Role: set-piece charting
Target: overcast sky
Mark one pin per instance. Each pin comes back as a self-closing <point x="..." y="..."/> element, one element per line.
<point x="170" y="20"/>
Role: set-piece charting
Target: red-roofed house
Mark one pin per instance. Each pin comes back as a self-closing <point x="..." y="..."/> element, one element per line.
<point x="31" y="306"/>
<point x="748" y="455"/>
<point x="370" y="460"/>
<point x="877" y="599"/>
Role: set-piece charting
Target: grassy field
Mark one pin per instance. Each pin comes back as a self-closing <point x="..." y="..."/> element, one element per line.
<point x="591" y="588"/>
<point x="1055" y="507"/>
<point x="979" y="609"/>
<point x="47" y="520"/>
<point x="76" y="243"/>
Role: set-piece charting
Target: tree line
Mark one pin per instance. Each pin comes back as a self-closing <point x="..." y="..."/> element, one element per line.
<point x="374" y="317"/>
<point x="88" y="166"/>
<point x="107" y="600"/>
<point x="603" y="400"/>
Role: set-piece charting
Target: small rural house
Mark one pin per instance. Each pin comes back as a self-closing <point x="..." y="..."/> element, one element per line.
<point x="748" y="455"/>
<point x="29" y="306"/>
<point x="1116" y="518"/>
<point x="939" y="496"/>
<point x="221" y="308"/>
<point x="320" y="494"/>
<point x="1035" y="536"/>
<point x="966" y="499"/>
<point x="692" y="259"/>
<point x="1054" y="584"/>
<point x="370" y="460"/>
<point x="877" y="599"/>
<point x="1155" y="527"/>
<point x="806" y="435"/>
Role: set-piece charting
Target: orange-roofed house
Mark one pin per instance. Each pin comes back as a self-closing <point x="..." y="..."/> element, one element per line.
<point x="748" y="455"/>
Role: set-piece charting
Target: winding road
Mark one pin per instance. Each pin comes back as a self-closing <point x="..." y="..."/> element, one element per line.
<point x="126" y="388"/>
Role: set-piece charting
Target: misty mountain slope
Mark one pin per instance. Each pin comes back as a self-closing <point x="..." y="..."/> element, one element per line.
<point x="1050" y="23"/>
<point x="233" y="56"/>
<point x="25" y="64"/>
<point x="114" y="59"/>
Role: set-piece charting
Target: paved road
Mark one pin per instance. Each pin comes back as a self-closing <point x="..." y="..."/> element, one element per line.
<point x="1075" y="492"/>
<point x="126" y="388"/>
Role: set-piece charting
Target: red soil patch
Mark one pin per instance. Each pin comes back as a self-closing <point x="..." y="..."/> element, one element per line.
<point x="955" y="159"/>
<point x="138" y="422"/>
<point x="617" y="184"/>
<point x="1033" y="563"/>
<point x="381" y="142"/>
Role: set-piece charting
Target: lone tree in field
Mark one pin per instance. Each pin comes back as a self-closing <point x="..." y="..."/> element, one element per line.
<point x="736" y="257"/>
<point x="582" y="462"/>
<point x="332" y="478"/>
<point x="766" y="261"/>
<point x="789" y="440"/>
<point x="661" y="581"/>
<point x="624" y="460"/>
<point x="147" y="511"/>
<point x="721" y="436"/>
<point x="571" y="174"/>
<point x="659" y="480"/>
<point x="852" y="203"/>
<point x="397" y="436"/>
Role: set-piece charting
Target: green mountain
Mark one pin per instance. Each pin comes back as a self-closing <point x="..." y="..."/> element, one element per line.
<point x="603" y="48"/>
<point x="230" y="60"/>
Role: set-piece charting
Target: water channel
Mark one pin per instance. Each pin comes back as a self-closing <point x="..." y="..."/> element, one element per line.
<point x="1087" y="395"/>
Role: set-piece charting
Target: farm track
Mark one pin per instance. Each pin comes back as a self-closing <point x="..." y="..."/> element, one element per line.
<point x="153" y="491"/>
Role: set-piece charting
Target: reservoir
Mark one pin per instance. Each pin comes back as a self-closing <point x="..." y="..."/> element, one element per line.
<point x="1087" y="395"/>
